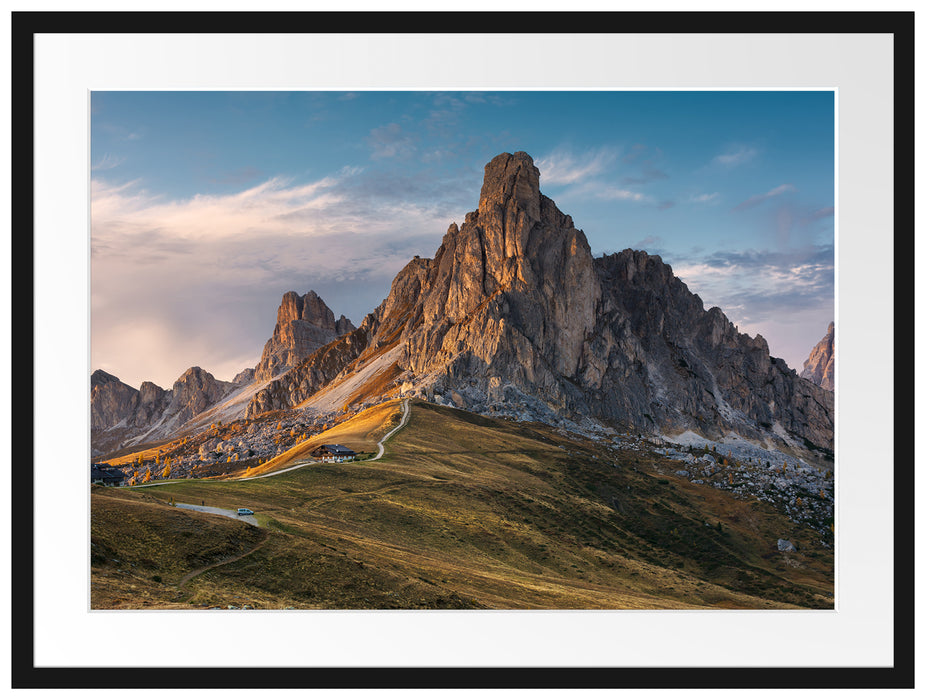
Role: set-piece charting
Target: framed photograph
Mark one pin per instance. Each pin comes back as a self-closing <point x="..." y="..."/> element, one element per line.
<point x="461" y="347"/>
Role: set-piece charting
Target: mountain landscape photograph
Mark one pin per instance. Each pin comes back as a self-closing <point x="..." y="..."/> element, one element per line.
<point x="462" y="350"/>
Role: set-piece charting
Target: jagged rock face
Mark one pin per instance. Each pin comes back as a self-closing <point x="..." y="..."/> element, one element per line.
<point x="111" y="401"/>
<point x="121" y="414"/>
<point x="516" y="279"/>
<point x="152" y="402"/>
<point x="245" y="376"/>
<point x="304" y="324"/>
<point x="657" y="355"/>
<point x="820" y="367"/>
<point x="318" y="370"/>
<point x="513" y="309"/>
<point x="194" y="392"/>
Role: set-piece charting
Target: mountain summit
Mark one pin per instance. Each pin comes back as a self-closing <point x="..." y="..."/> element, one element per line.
<point x="304" y="324"/>
<point x="514" y="316"/>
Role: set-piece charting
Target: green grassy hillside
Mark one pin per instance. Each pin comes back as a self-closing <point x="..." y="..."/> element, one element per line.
<point x="468" y="512"/>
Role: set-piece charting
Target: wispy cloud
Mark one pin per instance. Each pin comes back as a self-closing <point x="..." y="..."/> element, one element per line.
<point x="197" y="281"/>
<point x="565" y="168"/>
<point x="125" y="210"/>
<point x="757" y="199"/>
<point x="618" y="193"/>
<point x="108" y="162"/>
<point x="735" y="156"/>
<point x="824" y="213"/>
<point x="705" y="198"/>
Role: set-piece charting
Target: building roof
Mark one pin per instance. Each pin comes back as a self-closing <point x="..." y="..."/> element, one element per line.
<point x="339" y="450"/>
<point x="107" y="474"/>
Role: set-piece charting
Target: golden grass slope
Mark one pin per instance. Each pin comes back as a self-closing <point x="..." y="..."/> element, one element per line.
<point x="468" y="512"/>
<point x="360" y="433"/>
<point x="140" y="548"/>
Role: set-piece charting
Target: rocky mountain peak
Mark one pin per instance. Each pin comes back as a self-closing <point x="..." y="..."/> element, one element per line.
<point x="194" y="392"/>
<point x="99" y="378"/>
<point x="245" y="376"/>
<point x="820" y="366"/>
<point x="149" y="393"/>
<point x="111" y="400"/>
<point x="512" y="185"/>
<point x="194" y="376"/>
<point x="309" y="308"/>
<point x="514" y="314"/>
<point x="304" y="324"/>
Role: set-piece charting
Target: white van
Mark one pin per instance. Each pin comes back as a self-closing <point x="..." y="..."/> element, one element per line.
<point x="245" y="511"/>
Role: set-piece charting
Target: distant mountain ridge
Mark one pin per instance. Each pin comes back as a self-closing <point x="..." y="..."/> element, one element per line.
<point x="514" y="316"/>
<point x="119" y="412"/>
<point x="121" y="415"/>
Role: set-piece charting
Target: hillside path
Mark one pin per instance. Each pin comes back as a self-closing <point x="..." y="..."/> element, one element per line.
<point x="402" y="424"/>
<point x="194" y="574"/>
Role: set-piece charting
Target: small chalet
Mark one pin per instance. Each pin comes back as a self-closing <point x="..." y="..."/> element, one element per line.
<point x="333" y="452"/>
<point x="104" y="475"/>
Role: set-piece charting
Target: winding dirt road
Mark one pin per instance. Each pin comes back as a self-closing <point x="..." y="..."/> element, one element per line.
<point x="402" y="424"/>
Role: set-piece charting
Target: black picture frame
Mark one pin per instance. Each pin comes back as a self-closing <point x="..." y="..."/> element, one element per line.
<point x="27" y="25"/>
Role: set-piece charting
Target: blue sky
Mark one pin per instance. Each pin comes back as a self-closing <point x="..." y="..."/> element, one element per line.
<point x="208" y="206"/>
